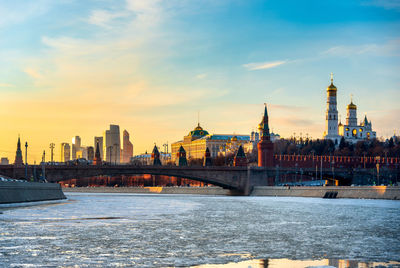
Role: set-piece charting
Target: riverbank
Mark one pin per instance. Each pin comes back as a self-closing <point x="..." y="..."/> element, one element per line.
<point x="17" y="192"/>
<point x="358" y="192"/>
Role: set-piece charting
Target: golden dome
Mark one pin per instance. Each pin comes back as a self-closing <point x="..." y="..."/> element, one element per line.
<point x="351" y="106"/>
<point x="331" y="87"/>
<point x="198" y="128"/>
<point x="234" y="138"/>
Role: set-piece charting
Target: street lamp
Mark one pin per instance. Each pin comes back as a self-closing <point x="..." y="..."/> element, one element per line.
<point x="26" y="160"/>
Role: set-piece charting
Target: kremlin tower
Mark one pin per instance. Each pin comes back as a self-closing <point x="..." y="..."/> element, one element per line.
<point x="265" y="146"/>
<point x="18" y="156"/>
<point x="97" y="156"/>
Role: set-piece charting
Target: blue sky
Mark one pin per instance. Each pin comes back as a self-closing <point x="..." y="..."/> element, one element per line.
<point x="72" y="67"/>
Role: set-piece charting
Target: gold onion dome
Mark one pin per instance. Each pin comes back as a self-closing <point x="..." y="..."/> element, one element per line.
<point x="352" y="106"/>
<point x="331" y="87"/>
<point x="234" y="138"/>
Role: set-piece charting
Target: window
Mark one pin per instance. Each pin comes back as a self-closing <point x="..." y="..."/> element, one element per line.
<point x="354" y="132"/>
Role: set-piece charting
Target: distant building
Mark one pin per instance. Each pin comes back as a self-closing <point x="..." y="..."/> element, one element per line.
<point x="76" y="147"/>
<point x="353" y="132"/>
<point x="65" y="152"/>
<point x="90" y="153"/>
<point x="4" y="161"/>
<point x="99" y="140"/>
<point x="127" y="151"/>
<point x="196" y="142"/>
<point x="112" y="144"/>
<point x="145" y="159"/>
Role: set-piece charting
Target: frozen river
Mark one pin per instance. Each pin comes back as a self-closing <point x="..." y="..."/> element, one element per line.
<point x="96" y="230"/>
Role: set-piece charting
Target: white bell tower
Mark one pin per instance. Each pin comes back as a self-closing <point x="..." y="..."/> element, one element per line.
<point x="331" y="126"/>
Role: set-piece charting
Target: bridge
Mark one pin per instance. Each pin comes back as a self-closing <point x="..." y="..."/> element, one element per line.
<point x="240" y="179"/>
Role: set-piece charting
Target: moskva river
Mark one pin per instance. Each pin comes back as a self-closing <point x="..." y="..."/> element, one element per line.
<point x="97" y="230"/>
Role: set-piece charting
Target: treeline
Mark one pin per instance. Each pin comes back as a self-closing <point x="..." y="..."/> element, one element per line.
<point x="388" y="148"/>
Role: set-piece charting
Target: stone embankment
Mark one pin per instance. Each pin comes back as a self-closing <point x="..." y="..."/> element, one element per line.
<point x="17" y="192"/>
<point x="364" y="192"/>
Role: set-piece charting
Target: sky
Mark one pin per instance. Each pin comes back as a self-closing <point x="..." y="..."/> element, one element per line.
<point x="71" y="67"/>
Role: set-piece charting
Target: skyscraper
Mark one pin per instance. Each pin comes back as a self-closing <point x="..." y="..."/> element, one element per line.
<point x="127" y="151"/>
<point x="112" y="144"/>
<point x="90" y="153"/>
<point x="65" y="152"/>
<point x="76" y="147"/>
<point x="99" y="140"/>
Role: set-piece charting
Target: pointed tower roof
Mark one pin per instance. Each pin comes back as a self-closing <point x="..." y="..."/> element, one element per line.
<point x="240" y="152"/>
<point x="263" y="126"/>
<point x="18" y="154"/>
<point x="155" y="150"/>
<point x="181" y="149"/>
<point x="365" y="120"/>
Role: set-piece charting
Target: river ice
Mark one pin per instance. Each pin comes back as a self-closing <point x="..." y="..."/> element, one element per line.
<point x="96" y="230"/>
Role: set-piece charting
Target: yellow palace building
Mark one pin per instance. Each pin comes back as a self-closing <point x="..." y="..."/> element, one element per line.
<point x="196" y="142"/>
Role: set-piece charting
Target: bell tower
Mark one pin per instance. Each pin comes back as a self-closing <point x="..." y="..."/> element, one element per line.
<point x="331" y="125"/>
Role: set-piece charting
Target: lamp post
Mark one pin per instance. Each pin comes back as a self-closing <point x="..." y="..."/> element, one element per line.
<point x="26" y="160"/>
<point x="52" y="148"/>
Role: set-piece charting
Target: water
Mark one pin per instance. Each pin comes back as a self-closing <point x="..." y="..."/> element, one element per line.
<point x="96" y="230"/>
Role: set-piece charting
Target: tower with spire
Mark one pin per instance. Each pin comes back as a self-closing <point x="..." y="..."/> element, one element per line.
<point x="265" y="146"/>
<point x="331" y="120"/>
<point x="18" y="155"/>
<point x="97" y="156"/>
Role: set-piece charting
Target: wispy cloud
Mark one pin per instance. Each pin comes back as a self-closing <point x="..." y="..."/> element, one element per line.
<point x="201" y="76"/>
<point x="390" y="48"/>
<point x="33" y="73"/>
<point x="386" y="4"/>
<point x="263" y="65"/>
<point x="104" y="18"/>
<point x="6" y="85"/>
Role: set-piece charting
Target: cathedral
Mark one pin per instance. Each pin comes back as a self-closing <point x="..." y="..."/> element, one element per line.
<point x="351" y="131"/>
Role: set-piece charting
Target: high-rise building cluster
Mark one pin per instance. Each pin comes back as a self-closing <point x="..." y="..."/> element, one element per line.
<point x="109" y="146"/>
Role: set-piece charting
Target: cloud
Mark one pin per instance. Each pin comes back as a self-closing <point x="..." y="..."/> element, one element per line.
<point x="386" y="4"/>
<point x="104" y="18"/>
<point x="263" y="65"/>
<point x="201" y="76"/>
<point x="390" y="48"/>
<point x="6" y="85"/>
<point x="33" y="73"/>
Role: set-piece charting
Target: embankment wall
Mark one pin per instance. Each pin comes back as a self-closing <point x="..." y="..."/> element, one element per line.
<point x="17" y="192"/>
<point x="365" y="192"/>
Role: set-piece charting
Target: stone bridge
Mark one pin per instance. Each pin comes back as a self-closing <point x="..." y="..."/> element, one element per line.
<point x="240" y="179"/>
